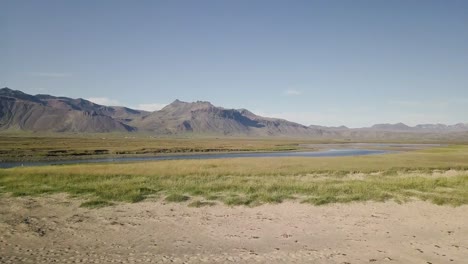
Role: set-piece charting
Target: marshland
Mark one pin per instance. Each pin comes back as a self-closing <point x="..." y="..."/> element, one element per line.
<point x="434" y="173"/>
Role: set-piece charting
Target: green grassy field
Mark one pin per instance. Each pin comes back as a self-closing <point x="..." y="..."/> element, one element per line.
<point x="26" y="147"/>
<point x="439" y="175"/>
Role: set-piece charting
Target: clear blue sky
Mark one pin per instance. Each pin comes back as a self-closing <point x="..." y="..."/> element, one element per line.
<point x="315" y="62"/>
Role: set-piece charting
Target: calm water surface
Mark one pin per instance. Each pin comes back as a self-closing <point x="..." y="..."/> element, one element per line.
<point x="324" y="153"/>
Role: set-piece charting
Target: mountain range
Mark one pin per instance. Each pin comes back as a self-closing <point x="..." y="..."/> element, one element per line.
<point x="46" y="113"/>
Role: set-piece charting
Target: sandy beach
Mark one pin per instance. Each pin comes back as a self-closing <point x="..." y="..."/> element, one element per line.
<point x="55" y="229"/>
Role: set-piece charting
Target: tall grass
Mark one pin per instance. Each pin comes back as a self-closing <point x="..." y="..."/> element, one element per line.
<point x="30" y="147"/>
<point x="251" y="181"/>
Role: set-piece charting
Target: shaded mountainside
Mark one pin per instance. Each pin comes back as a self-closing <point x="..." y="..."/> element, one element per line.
<point x="119" y="113"/>
<point x="204" y="118"/>
<point x="46" y="113"/>
<point x="20" y="111"/>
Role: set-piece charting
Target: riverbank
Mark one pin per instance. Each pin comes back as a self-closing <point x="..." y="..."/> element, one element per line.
<point x="24" y="148"/>
<point x="438" y="175"/>
<point x="199" y="156"/>
<point x="63" y="147"/>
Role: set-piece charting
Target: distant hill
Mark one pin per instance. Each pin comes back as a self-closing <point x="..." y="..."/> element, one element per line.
<point x="391" y="127"/>
<point x="401" y="127"/>
<point x="421" y="128"/>
<point x="46" y="113"/>
<point x="329" y="128"/>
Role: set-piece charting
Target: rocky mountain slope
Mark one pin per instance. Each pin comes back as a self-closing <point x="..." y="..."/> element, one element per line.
<point x="20" y="111"/>
<point x="46" y="113"/>
<point x="204" y="118"/>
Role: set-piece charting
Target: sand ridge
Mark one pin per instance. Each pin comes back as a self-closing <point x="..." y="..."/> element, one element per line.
<point x="55" y="229"/>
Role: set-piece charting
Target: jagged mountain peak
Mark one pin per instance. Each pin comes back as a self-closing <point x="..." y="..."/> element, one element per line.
<point x="19" y="110"/>
<point x="185" y="107"/>
<point x="179" y="102"/>
<point x="203" y="117"/>
<point x="5" y="89"/>
<point x="10" y="92"/>
<point x="18" y="95"/>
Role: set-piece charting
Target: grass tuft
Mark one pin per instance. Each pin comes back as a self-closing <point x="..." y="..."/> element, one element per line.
<point x="177" y="198"/>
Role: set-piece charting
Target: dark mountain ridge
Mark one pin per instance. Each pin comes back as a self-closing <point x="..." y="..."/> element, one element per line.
<point x="204" y="118"/>
<point x="43" y="113"/>
<point x="21" y="111"/>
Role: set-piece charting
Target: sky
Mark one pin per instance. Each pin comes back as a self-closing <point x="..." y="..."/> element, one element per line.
<point x="353" y="63"/>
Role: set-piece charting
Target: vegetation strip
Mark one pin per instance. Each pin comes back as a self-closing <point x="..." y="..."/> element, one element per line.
<point x="32" y="148"/>
<point x="437" y="175"/>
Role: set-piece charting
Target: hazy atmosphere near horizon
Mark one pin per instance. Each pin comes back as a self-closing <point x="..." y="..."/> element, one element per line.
<point x="353" y="63"/>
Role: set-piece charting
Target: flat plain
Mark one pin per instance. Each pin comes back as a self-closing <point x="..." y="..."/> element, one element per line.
<point x="29" y="147"/>
<point x="403" y="207"/>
